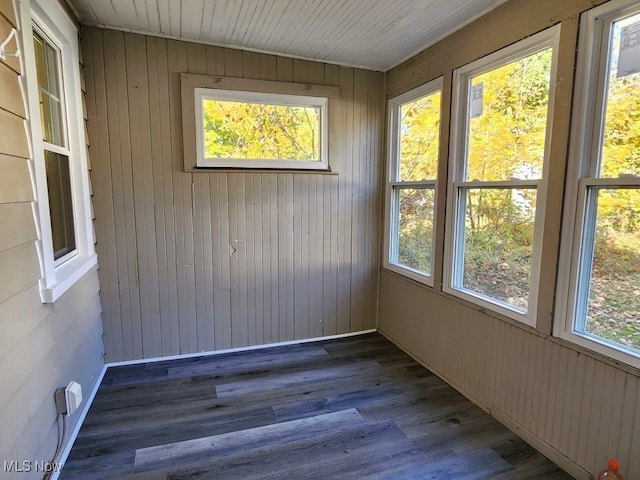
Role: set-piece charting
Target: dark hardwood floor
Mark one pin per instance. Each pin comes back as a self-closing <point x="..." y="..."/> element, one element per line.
<point x="351" y="408"/>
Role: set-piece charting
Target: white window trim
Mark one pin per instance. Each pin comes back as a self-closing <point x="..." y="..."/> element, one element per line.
<point x="58" y="276"/>
<point x="588" y="117"/>
<point x="259" y="97"/>
<point x="393" y="166"/>
<point x="457" y="158"/>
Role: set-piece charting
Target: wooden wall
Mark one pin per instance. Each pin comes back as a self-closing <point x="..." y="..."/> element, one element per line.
<point x="574" y="405"/>
<point x="205" y="261"/>
<point x="42" y="346"/>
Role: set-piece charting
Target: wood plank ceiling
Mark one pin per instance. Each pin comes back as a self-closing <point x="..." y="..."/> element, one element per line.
<point x="373" y="34"/>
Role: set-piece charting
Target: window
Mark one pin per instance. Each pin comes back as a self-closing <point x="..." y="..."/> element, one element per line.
<point x="59" y="160"/>
<point x="499" y="151"/>
<point x="236" y="129"/>
<point x="414" y="133"/>
<point x="600" y="273"/>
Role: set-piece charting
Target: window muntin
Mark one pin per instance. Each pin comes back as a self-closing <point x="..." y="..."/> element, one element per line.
<point x="500" y="132"/>
<point x="599" y="275"/>
<point x="414" y="144"/>
<point x="237" y="129"/>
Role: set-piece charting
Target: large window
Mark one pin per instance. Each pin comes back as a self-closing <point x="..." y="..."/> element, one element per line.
<point x="414" y="133"/>
<point x="499" y="151"/>
<point x="57" y="133"/>
<point x="600" y="270"/>
<point x="237" y="129"/>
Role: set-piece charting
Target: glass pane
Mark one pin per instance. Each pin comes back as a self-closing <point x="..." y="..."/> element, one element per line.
<point x="613" y="310"/>
<point x="260" y="131"/>
<point x="508" y="119"/>
<point x="621" y="147"/>
<point x="498" y="244"/>
<point x="419" y="134"/>
<point x="47" y="66"/>
<point x="60" y="205"/>
<point x="414" y="235"/>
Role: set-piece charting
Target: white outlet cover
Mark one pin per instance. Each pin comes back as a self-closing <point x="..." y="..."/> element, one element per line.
<point x="73" y="396"/>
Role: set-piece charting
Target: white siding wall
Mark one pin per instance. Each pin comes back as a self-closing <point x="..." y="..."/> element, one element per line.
<point x="42" y="347"/>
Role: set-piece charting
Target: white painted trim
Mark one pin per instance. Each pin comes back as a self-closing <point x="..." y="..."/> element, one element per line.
<point x="237" y="349"/>
<point x="392" y="182"/>
<point x="557" y="457"/>
<point x="536" y="442"/>
<point x="51" y="19"/>
<point x="280" y="99"/>
<point x="548" y="38"/>
<point x="584" y="151"/>
<point x="83" y="415"/>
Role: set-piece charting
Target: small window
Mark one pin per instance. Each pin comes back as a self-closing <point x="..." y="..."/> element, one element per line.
<point x="237" y="129"/>
<point x="414" y="134"/>
<point x="66" y="248"/>
<point x="600" y="276"/>
<point x="500" y="134"/>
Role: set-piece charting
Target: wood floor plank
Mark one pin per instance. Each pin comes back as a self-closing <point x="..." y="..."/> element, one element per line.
<point x="220" y="445"/>
<point x="349" y="408"/>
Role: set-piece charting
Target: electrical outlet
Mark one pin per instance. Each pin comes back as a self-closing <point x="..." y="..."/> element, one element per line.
<point x="68" y="398"/>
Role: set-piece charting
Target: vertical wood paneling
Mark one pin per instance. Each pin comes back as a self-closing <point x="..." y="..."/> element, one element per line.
<point x="210" y="260"/>
<point x="584" y="408"/>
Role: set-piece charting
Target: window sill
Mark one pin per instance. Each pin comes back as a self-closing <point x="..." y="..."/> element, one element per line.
<point x="197" y="169"/>
<point x="67" y="275"/>
<point x="409" y="273"/>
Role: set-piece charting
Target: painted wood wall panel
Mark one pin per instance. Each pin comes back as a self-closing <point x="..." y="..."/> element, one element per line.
<point x="7" y="10"/>
<point x="42" y="346"/>
<point x="10" y="95"/>
<point x="579" y="406"/>
<point x="13" y="140"/>
<point x="15" y="181"/>
<point x="21" y="232"/>
<point x="209" y="260"/>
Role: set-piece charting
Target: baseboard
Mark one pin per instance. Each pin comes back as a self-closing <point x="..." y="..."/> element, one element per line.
<point x="536" y="442"/>
<point x="238" y="349"/>
<point x="543" y="447"/>
<point x="76" y="429"/>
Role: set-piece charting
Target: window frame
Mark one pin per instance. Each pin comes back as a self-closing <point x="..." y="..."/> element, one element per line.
<point x="548" y="38"/>
<point x="394" y="184"/>
<point x="49" y="19"/>
<point x="321" y="103"/>
<point x="586" y="142"/>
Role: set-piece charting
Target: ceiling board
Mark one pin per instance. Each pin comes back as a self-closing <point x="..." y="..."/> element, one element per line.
<point x="375" y="34"/>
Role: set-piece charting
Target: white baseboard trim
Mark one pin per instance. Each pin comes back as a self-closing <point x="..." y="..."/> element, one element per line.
<point x="238" y="349"/>
<point x="76" y="429"/>
<point x="536" y="442"/>
<point x="543" y="447"/>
